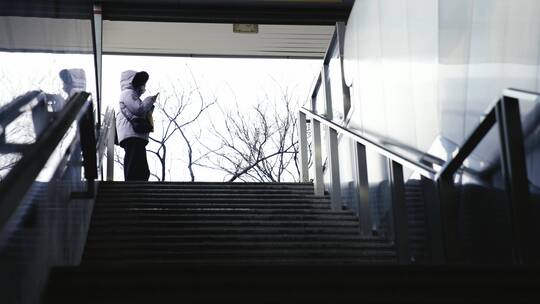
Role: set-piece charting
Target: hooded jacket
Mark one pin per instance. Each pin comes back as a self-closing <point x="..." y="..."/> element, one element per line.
<point x="74" y="80"/>
<point x="131" y="99"/>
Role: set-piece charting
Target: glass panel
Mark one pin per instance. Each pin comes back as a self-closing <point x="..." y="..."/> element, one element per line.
<point x="422" y="71"/>
<point x="48" y="228"/>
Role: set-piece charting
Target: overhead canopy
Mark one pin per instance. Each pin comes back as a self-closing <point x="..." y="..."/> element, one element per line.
<point x="314" y="12"/>
<point x="286" y="28"/>
<point x="199" y="39"/>
<point x="23" y="34"/>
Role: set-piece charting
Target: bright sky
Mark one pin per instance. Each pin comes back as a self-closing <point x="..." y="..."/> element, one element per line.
<point x="242" y="80"/>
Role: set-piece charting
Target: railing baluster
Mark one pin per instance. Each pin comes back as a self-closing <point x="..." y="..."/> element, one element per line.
<point x="302" y="137"/>
<point x="340" y="30"/>
<point x="110" y="149"/>
<point x="317" y="157"/>
<point x="364" y="210"/>
<point x="335" y="182"/>
<point x="399" y="212"/>
<point x="514" y="171"/>
<point x="88" y="146"/>
<point x="448" y="200"/>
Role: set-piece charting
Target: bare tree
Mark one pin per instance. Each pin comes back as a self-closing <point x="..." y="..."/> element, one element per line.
<point x="259" y="145"/>
<point x="188" y="107"/>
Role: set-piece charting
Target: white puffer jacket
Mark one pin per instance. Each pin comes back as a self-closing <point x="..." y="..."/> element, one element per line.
<point x="134" y="105"/>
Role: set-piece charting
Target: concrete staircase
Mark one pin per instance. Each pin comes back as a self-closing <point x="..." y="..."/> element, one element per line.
<point x="240" y="223"/>
<point x="260" y="243"/>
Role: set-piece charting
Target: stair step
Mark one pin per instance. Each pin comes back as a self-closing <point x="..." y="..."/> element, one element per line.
<point x="104" y="217"/>
<point x="210" y="283"/>
<point x="210" y="206"/>
<point x="213" y="245"/>
<point x="246" y="260"/>
<point x="223" y="211"/>
<point x="218" y="198"/>
<point x="128" y="253"/>
<point x="234" y="238"/>
<point x="145" y="231"/>
<point x="203" y="185"/>
<point x="212" y="191"/>
<point x="221" y="223"/>
<point x="201" y="200"/>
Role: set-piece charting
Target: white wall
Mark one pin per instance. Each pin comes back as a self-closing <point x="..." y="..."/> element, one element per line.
<point x="425" y="70"/>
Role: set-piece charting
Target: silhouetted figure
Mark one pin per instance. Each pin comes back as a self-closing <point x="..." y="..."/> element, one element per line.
<point x="133" y="111"/>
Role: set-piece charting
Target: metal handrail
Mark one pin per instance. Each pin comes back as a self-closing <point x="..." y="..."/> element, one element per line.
<point x="506" y="113"/>
<point x="450" y="166"/>
<point x="405" y="161"/>
<point x="476" y="136"/>
<point x="11" y="110"/>
<point x="15" y="185"/>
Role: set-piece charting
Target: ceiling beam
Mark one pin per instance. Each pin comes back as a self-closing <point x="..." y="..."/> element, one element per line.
<point x="294" y="13"/>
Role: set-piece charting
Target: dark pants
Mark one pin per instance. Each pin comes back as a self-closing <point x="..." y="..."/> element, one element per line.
<point x="135" y="163"/>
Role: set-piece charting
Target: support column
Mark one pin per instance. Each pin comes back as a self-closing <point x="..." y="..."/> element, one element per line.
<point x="97" y="36"/>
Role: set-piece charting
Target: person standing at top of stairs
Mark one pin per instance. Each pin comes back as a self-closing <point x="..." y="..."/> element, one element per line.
<point x="133" y="124"/>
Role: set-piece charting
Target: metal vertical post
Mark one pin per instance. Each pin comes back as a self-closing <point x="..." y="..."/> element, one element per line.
<point x="433" y="217"/>
<point x="399" y="212"/>
<point x="302" y="136"/>
<point x="88" y="146"/>
<point x="327" y="93"/>
<point x="97" y="35"/>
<point x="448" y="200"/>
<point x="332" y="144"/>
<point x="340" y="29"/>
<point x="110" y="149"/>
<point x="364" y="209"/>
<point x="334" y="169"/>
<point x="514" y="171"/>
<point x="317" y="157"/>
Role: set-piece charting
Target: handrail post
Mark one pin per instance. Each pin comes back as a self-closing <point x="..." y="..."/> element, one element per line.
<point x="434" y="225"/>
<point x="340" y="31"/>
<point x="514" y="170"/>
<point x="88" y="147"/>
<point x="399" y="212"/>
<point x="110" y="149"/>
<point x="317" y="157"/>
<point x="97" y="39"/>
<point x="364" y="210"/>
<point x="449" y="217"/>
<point x="333" y="155"/>
<point x="302" y="137"/>
<point x="332" y="139"/>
